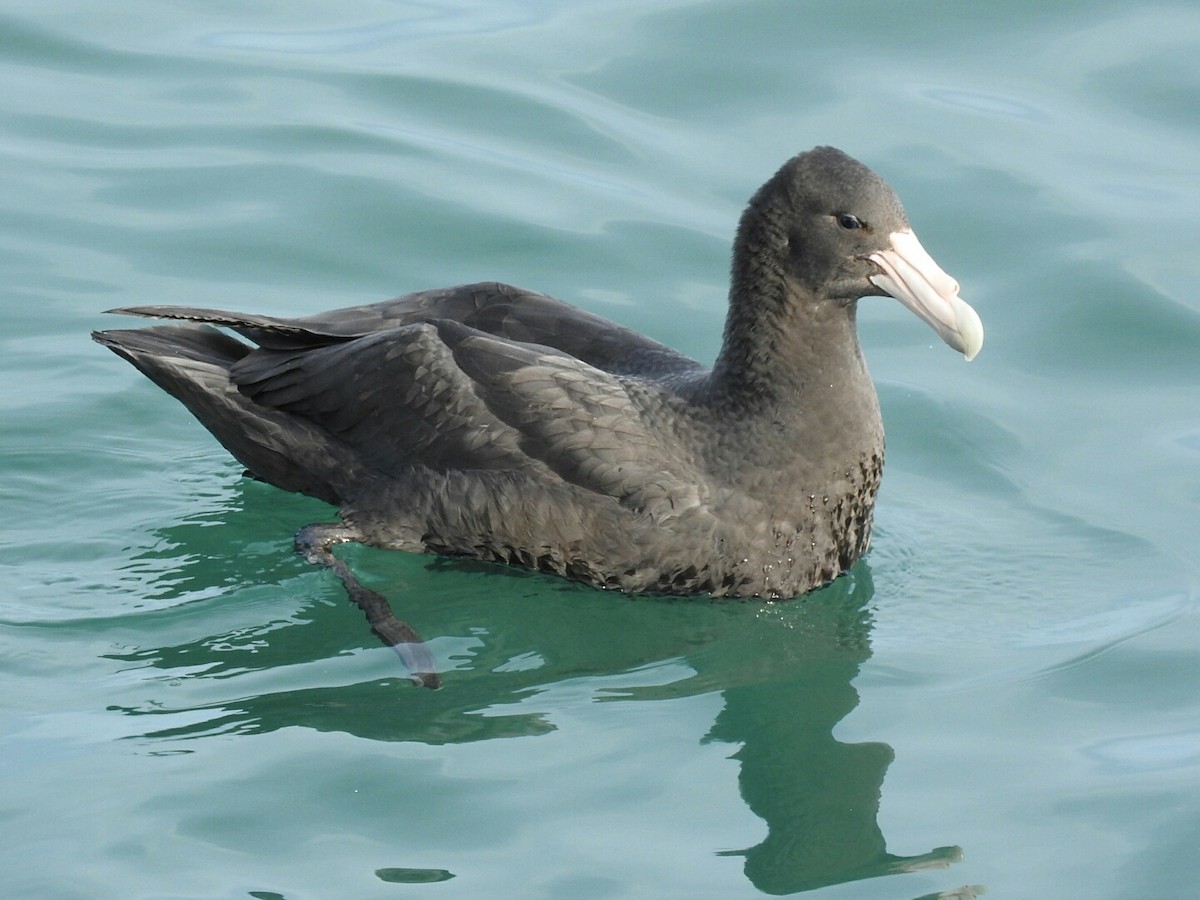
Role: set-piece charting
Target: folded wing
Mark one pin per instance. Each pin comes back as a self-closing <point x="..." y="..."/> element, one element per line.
<point x="497" y="309"/>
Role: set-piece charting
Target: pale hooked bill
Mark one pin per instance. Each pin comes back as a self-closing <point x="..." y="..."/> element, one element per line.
<point x="912" y="277"/>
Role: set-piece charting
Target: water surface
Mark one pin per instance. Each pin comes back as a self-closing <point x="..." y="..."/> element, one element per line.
<point x="1003" y="694"/>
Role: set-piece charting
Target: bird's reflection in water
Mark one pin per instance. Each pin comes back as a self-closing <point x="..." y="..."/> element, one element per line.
<point x="819" y="796"/>
<point x="784" y="670"/>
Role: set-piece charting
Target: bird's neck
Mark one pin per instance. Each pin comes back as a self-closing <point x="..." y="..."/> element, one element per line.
<point x="784" y="347"/>
<point x="792" y="377"/>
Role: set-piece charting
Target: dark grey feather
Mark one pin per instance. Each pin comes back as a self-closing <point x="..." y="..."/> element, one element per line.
<point x="494" y="422"/>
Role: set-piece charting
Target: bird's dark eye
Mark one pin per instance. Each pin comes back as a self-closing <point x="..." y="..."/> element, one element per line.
<point x="848" y="221"/>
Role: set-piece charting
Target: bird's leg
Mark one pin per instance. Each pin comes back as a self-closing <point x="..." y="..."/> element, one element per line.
<point x="315" y="544"/>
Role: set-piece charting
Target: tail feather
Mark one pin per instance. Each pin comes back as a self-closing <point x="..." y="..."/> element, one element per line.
<point x="197" y="343"/>
<point x="268" y="332"/>
<point x="192" y="363"/>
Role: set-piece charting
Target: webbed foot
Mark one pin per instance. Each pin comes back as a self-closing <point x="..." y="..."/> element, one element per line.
<point x="315" y="543"/>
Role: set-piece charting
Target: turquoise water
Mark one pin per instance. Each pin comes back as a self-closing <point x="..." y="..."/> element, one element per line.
<point x="1008" y="687"/>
